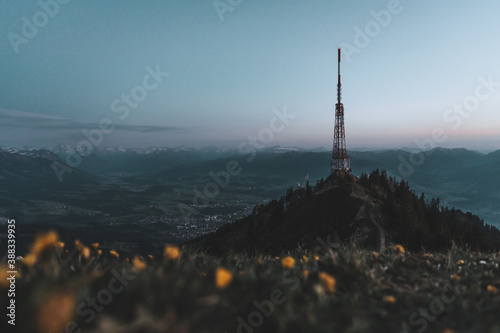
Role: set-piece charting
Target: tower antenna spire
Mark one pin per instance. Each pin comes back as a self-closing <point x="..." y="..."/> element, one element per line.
<point x="341" y="162"/>
<point x="339" y="84"/>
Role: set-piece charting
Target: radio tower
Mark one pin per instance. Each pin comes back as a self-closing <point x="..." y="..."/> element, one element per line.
<point x="340" y="161"/>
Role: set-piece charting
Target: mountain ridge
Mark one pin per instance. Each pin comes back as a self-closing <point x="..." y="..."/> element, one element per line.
<point x="370" y="211"/>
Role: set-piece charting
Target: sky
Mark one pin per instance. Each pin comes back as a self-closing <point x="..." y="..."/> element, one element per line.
<point x="199" y="73"/>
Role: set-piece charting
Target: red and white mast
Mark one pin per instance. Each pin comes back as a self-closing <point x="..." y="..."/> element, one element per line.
<point x="340" y="160"/>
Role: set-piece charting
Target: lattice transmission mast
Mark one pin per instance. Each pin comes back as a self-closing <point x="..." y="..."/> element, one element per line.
<point x="340" y="161"/>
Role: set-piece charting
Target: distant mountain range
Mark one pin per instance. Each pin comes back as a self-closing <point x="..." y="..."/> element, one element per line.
<point x="35" y="170"/>
<point x="31" y="177"/>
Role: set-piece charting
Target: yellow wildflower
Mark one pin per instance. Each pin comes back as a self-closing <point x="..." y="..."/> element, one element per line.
<point x="305" y="258"/>
<point x="427" y="255"/>
<point x="305" y="274"/>
<point x="78" y="244"/>
<point x="150" y="257"/>
<point x="316" y="258"/>
<point x="288" y="262"/>
<point x="389" y="299"/>
<point x="60" y="245"/>
<point x="29" y="260"/>
<point x="492" y="289"/>
<point x="375" y="255"/>
<point x="114" y="254"/>
<point x="455" y="277"/>
<point x="399" y="248"/>
<point x="223" y="278"/>
<point x="55" y="311"/>
<point x="328" y="281"/>
<point x="85" y="252"/>
<point x="4" y="275"/>
<point x="461" y="262"/>
<point x="95" y="246"/>
<point x="172" y="252"/>
<point x="139" y="264"/>
<point x="45" y="240"/>
<point x="99" y="252"/>
<point x="43" y="243"/>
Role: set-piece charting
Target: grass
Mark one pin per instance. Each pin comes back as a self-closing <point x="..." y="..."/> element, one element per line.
<point x="343" y="290"/>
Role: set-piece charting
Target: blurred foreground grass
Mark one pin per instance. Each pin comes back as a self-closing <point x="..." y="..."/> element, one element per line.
<point x="347" y="289"/>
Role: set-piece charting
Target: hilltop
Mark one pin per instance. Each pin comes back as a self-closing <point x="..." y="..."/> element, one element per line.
<point x="371" y="211"/>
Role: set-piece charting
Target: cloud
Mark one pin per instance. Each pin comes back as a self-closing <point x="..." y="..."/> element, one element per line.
<point x="21" y="119"/>
<point x="19" y="128"/>
<point x="15" y="114"/>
